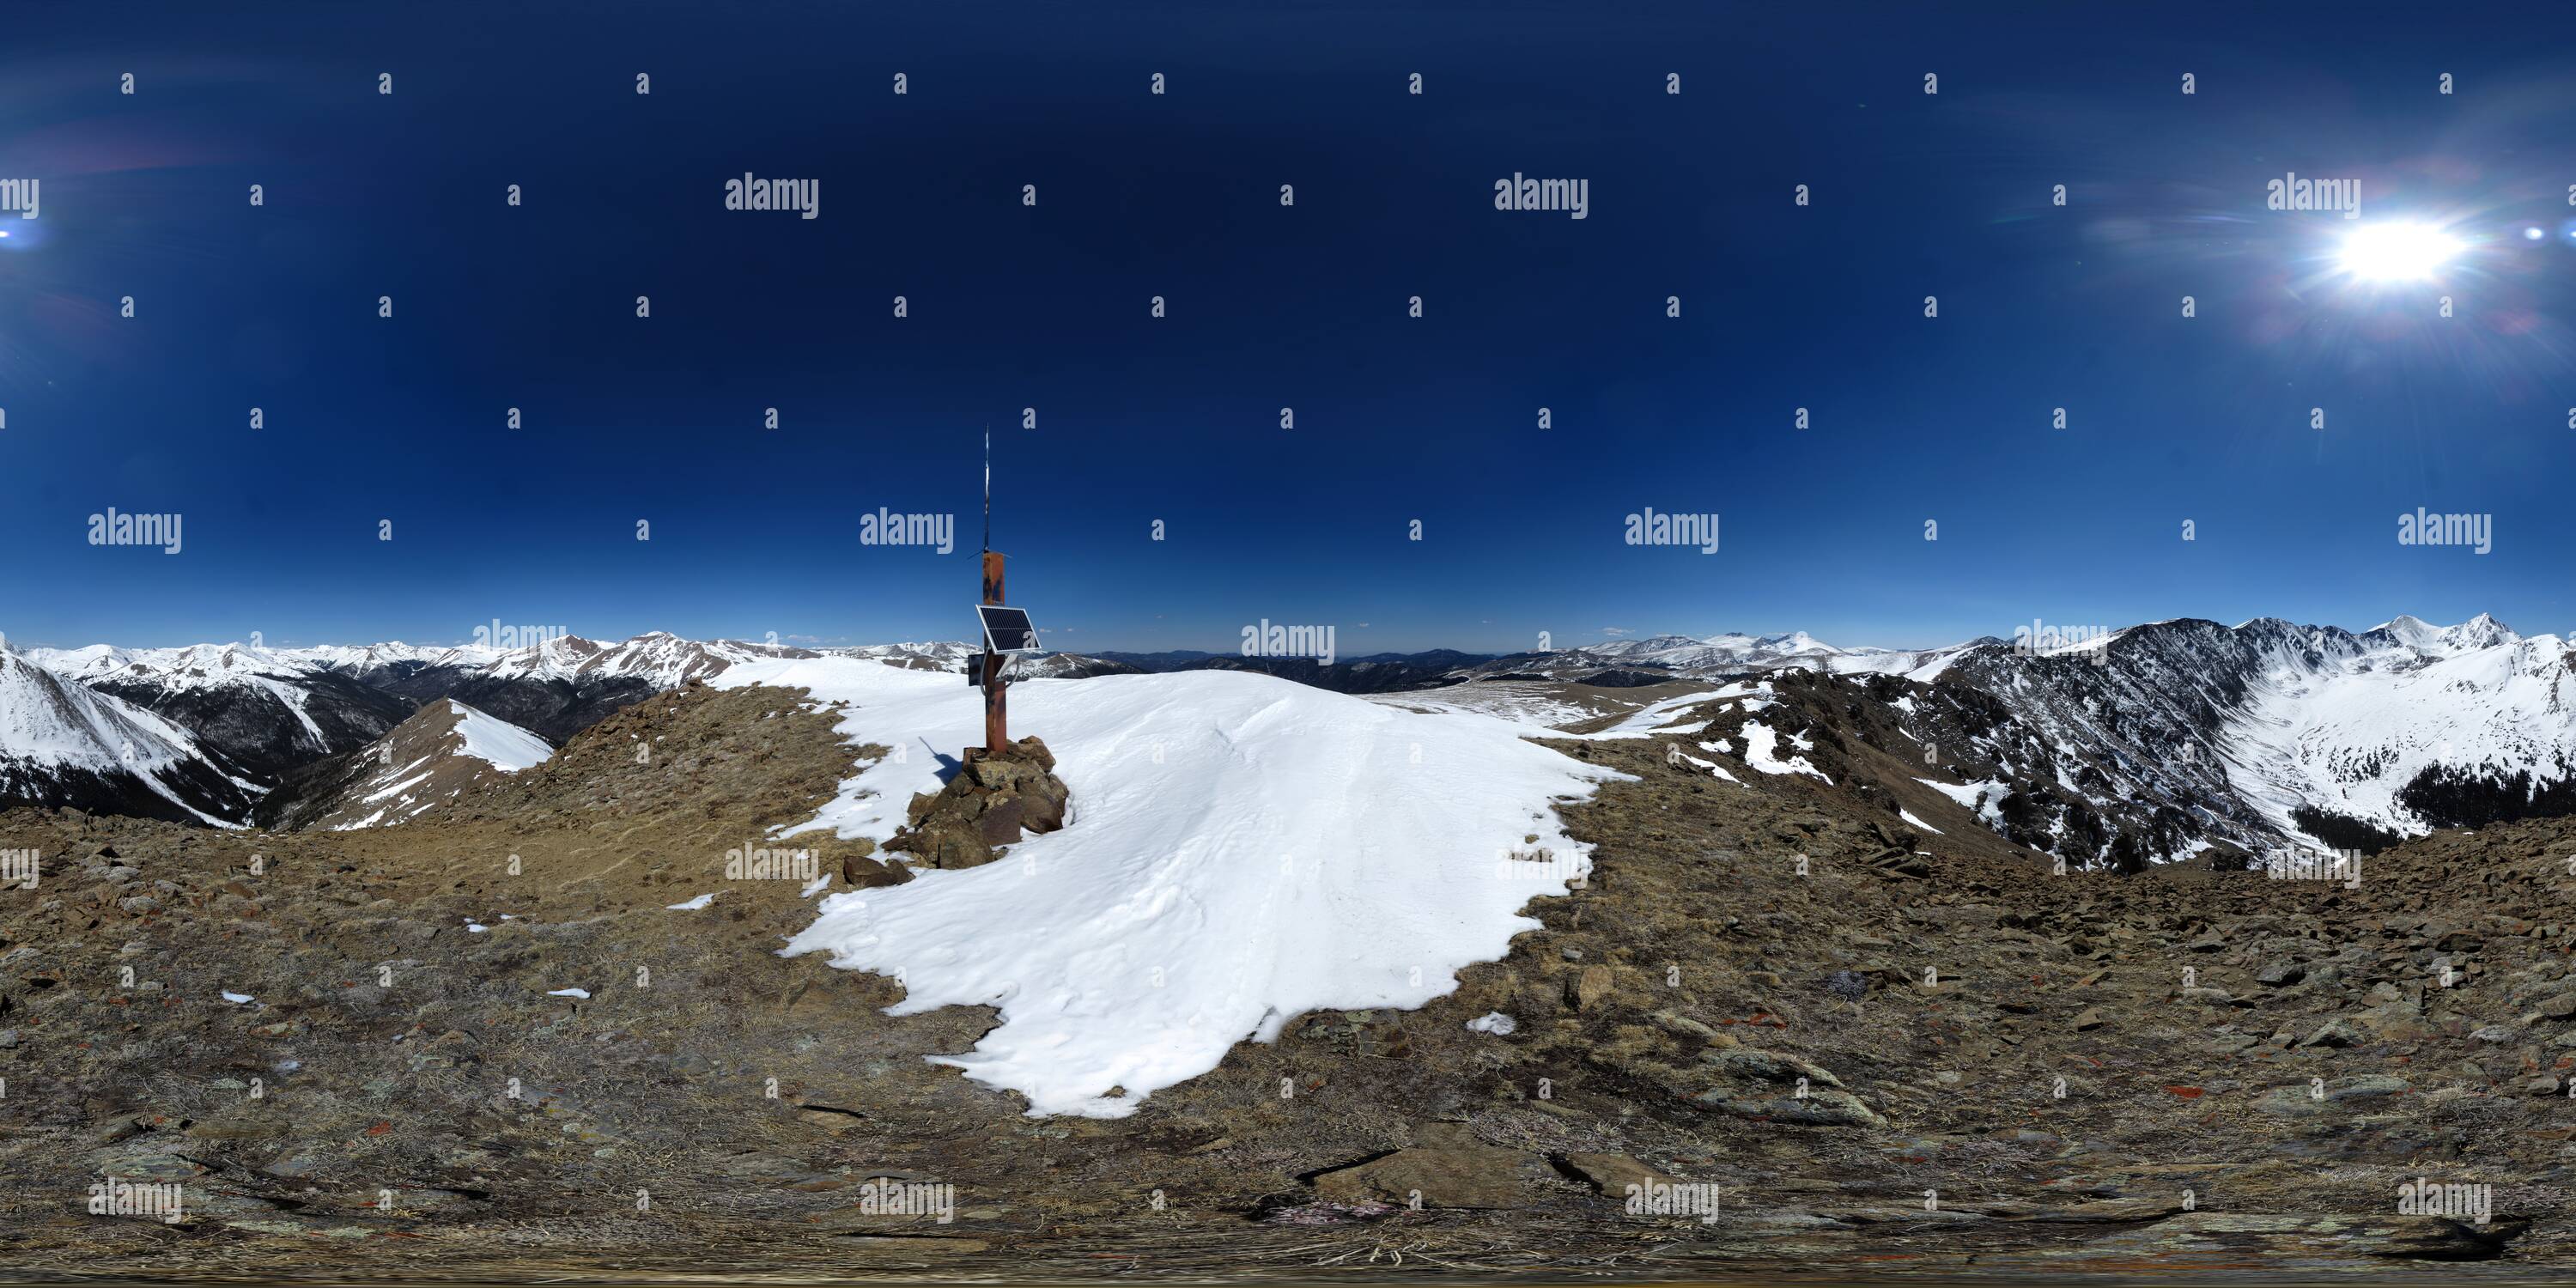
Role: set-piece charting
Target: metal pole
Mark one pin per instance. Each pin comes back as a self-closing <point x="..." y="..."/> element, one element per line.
<point x="997" y="734"/>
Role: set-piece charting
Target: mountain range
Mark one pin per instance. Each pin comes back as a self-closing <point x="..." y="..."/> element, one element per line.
<point x="2147" y="744"/>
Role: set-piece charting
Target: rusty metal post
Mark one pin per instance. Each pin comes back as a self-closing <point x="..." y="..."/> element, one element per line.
<point x="997" y="734"/>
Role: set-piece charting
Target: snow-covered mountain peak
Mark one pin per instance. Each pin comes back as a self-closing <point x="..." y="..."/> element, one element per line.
<point x="359" y="657"/>
<point x="2416" y="635"/>
<point x="1799" y="642"/>
<point x="187" y="666"/>
<point x="2481" y="631"/>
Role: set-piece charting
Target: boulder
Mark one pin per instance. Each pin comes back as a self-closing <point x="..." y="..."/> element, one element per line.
<point x="864" y="873"/>
<point x="1818" y="1108"/>
<point x="1769" y="1066"/>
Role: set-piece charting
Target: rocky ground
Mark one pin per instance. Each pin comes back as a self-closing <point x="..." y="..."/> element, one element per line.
<point x="1874" y="1047"/>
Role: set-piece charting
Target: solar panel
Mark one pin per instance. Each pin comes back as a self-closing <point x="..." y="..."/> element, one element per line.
<point x="1007" y="629"/>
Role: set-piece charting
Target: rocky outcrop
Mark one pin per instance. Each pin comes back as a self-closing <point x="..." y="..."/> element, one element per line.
<point x="993" y="801"/>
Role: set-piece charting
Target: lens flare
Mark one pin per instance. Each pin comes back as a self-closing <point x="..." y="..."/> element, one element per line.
<point x="2397" y="252"/>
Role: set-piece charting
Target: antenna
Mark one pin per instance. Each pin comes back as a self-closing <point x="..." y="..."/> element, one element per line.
<point x="988" y="485"/>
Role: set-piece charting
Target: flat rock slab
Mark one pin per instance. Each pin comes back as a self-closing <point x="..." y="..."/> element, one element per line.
<point x="1450" y="1170"/>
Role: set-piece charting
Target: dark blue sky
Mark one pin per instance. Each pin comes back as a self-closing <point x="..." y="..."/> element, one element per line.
<point x="1176" y="419"/>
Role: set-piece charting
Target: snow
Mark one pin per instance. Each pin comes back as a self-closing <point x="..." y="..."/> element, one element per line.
<point x="1537" y="704"/>
<point x="239" y="999"/>
<point x="507" y="746"/>
<point x="1494" y="1022"/>
<point x="1649" y="720"/>
<point x="942" y="655"/>
<point x="50" y="723"/>
<point x="1242" y="849"/>
<point x="2413" y="632"/>
<point x="1709" y="765"/>
<point x="1907" y="816"/>
<point x="194" y="667"/>
<point x="663" y="659"/>
<point x="582" y="993"/>
<point x="1761" y="751"/>
<point x="1537" y="708"/>
<point x="692" y="905"/>
<point x="355" y="657"/>
<point x="297" y="698"/>
<point x="1982" y="797"/>
<point x="2480" y="632"/>
<point x="1740" y="652"/>
<point x="47" y="720"/>
<point x="659" y="658"/>
<point x="2349" y="734"/>
<point x="405" y="785"/>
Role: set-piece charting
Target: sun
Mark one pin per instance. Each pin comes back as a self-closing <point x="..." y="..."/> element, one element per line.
<point x="2397" y="252"/>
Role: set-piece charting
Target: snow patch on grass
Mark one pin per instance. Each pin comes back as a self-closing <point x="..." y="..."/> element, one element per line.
<point x="1983" y="798"/>
<point x="1242" y="849"/>
<point x="1762" y="751"/>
